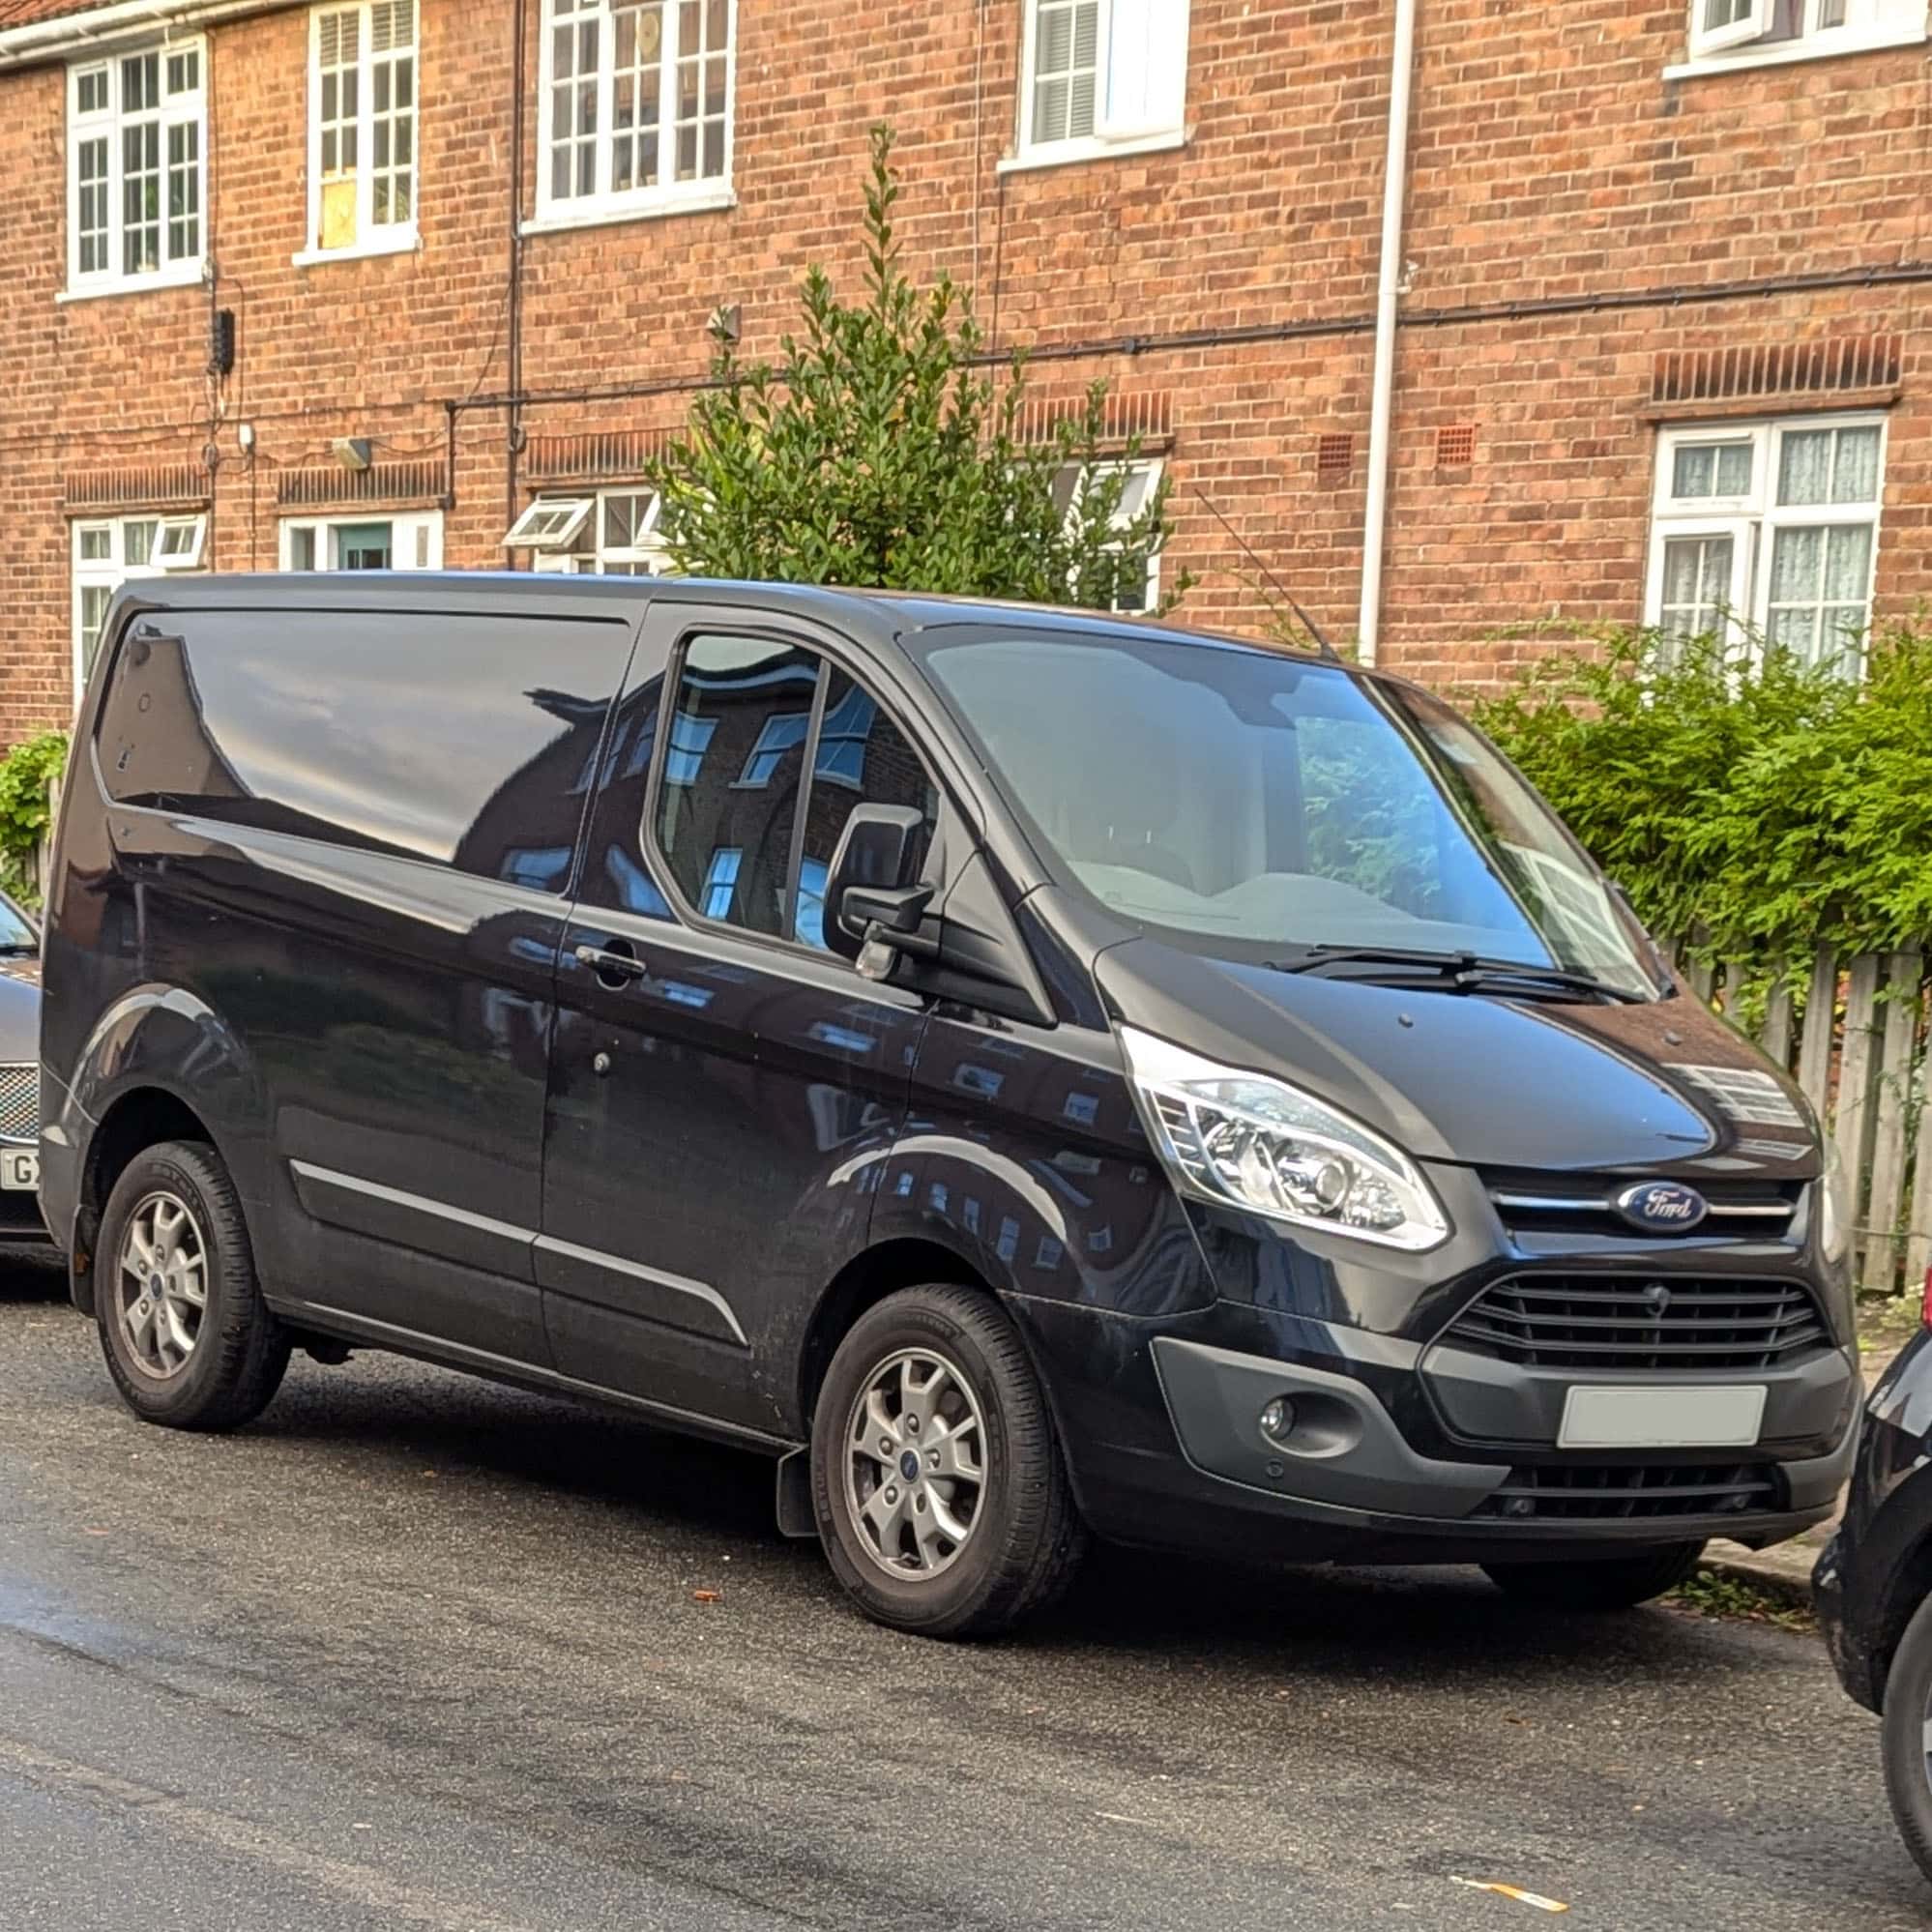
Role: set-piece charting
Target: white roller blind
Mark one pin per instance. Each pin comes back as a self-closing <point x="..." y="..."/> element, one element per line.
<point x="1146" y="66"/>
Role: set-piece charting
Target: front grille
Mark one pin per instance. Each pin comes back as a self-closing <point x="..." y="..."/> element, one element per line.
<point x="20" y="1103"/>
<point x="1631" y="1321"/>
<point x="1593" y="1491"/>
<point x="1533" y="1204"/>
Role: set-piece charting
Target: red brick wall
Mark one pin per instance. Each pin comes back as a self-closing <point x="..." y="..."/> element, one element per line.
<point x="1552" y="162"/>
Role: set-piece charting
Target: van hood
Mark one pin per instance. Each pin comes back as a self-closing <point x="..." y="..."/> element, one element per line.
<point x="1480" y="1081"/>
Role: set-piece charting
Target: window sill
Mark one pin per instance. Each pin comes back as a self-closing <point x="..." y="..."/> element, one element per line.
<point x="401" y="242"/>
<point x="1787" y="51"/>
<point x="1062" y="154"/>
<point x="180" y="275"/>
<point x="556" y="223"/>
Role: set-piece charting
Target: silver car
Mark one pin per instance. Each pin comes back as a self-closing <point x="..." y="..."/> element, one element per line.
<point x="19" y="1077"/>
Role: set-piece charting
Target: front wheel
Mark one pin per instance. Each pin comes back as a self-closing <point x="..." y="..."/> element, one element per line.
<point x="1908" y="1737"/>
<point x="189" y="1339"/>
<point x="1598" y="1582"/>
<point x="941" y="1497"/>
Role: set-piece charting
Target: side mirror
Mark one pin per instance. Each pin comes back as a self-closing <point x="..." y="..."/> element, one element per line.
<point x="875" y="878"/>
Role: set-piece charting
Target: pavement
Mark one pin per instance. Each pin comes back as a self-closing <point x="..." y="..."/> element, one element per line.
<point x="419" y="1652"/>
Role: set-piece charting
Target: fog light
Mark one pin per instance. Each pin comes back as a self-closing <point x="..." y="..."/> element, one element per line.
<point x="1278" y="1420"/>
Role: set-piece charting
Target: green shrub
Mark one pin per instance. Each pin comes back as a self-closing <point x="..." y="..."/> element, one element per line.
<point x="26" y="775"/>
<point x="880" y="453"/>
<point x="1763" y="804"/>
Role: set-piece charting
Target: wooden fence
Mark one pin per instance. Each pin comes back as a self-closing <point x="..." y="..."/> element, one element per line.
<point x="1855" y="1032"/>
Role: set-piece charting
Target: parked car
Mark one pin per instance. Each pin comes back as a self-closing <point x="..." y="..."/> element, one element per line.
<point x="21" y="1219"/>
<point x="1033" y="1075"/>
<point x="1873" y="1584"/>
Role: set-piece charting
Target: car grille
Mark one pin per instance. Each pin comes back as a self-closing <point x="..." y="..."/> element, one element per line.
<point x="1533" y="1204"/>
<point x="20" y="1103"/>
<point x="1625" y="1322"/>
<point x="1593" y="1491"/>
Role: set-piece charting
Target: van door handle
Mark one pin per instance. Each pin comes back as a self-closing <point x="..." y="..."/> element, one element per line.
<point x="615" y="965"/>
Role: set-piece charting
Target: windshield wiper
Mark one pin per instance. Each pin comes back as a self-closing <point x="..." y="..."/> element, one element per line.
<point x="1463" y="972"/>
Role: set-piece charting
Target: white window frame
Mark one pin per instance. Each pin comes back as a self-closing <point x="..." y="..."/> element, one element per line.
<point x="1116" y="131"/>
<point x="1821" y="28"/>
<point x="665" y="196"/>
<point x="1752" y="521"/>
<point x="576" y="546"/>
<point x="372" y="237"/>
<point x="108" y="122"/>
<point x="551" y="523"/>
<point x="416" y="537"/>
<point x="1151" y="468"/>
<point x="187" y="534"/>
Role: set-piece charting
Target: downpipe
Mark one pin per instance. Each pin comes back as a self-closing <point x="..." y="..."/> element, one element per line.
<point x="1387" y="293"/>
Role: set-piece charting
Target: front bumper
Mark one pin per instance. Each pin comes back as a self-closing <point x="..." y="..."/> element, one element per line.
<point x="21" y="1219"/>
<point x="1163" y="1437"/>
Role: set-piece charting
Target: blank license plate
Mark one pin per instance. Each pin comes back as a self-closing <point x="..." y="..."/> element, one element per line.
<point x="1726" y="1417"/>
<point x="19" y="1170"/>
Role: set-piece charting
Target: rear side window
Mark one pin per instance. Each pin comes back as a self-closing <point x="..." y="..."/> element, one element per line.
<point x="755" y="724"/>
<point x="469" y="742"/>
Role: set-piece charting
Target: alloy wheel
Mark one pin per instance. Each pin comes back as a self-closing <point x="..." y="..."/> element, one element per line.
<point x="914" y="1463"/>
<point x="163" y="1285"/>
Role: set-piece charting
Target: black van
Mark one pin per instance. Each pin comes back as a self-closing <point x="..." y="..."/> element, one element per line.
<point x="1036" y="1074"/>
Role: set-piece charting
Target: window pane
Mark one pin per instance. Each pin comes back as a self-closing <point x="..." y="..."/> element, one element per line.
<point x="1819" y="586"/>
<point x="302" y="550"/>
<point x="1855" y="474"/>
<point x="97" y="542"/>
<point x="861" y="755"/>
<point x="1696" y="585"/>
<point x="1796" y="561"/>
<point x="137" y="540"/>
<point x="93" y="602"/>
<point x="184" y="191"/>
<point x="1710" y="469"/>
<point x="1805" y="466"/>
<point x="1848" y="562"/>
<point x="1066" y="60"/>
<point x="731" y="694"/>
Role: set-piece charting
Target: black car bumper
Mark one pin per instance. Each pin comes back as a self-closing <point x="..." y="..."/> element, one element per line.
<point x="1877" y="1570"/>
<point x="1161" y="1427"/>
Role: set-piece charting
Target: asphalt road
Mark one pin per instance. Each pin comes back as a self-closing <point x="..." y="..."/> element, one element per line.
<point x="419" y="1652"/>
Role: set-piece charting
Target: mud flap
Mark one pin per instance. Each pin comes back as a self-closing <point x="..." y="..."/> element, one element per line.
<point x="796" y="1516"/>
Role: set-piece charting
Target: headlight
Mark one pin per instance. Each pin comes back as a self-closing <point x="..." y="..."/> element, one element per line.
<point x="1250" y="1141"/>
<point x="1835" y="1211"/>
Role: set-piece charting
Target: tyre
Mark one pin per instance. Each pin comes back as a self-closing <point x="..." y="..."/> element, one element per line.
<point x="1908" y="1729"/>
<point x="1598" y="1582"/>
<point x="189" y="1339"/>
<point x="942" y="1496"/>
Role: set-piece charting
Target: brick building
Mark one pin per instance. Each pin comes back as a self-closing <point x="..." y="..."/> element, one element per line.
<point x="1660" y="342"/>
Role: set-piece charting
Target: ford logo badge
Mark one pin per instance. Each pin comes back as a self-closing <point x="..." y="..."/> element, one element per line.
<point x="1662" y="1206"/>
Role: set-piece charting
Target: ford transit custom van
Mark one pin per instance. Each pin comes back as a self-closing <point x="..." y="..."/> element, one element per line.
<point x="1034" y="1075"/>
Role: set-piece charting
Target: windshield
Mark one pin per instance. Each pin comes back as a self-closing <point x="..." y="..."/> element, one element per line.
<point x="1259" y="801"/>
<point x="16" y="934"/>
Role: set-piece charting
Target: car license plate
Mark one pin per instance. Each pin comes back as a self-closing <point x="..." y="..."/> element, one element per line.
<point x="19" y="1169"/>
<point x="1729" y="1417"/>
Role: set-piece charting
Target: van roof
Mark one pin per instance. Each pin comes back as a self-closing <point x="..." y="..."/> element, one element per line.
<point x="883" y="615"/>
